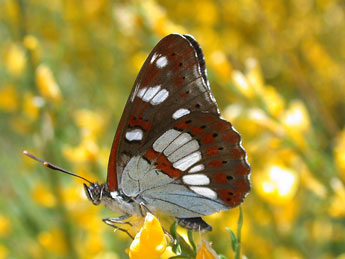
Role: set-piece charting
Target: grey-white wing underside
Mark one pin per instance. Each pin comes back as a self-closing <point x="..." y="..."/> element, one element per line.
<point x="162" y="193"/>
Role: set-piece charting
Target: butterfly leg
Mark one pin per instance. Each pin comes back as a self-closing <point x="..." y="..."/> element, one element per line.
<point x="194" y="224"/>
<point x="119" y="220"/>
<point x="144" y="209"/>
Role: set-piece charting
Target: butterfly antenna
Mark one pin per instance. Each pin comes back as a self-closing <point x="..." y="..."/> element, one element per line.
<point x="54" y="167"/>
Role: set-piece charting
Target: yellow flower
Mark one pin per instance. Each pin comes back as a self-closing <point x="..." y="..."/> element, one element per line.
<point x="296" y="122"/>
<point x="274" y="102"/>
<point x="277" y="184"/>
<point x="30" y="42"/>
<point x="53" y="241"/>
<point x="339" y="152"/>
<point x="32" y="45"/>
<point x="3" y="252"/>
<point x="46" y="84"/>
<point x="31" y="105"/>
<point x="91" y="123"/>
<point x="42" y="195"/>
<point x="296" y="118"/>
<point x="336" y="208"/>
<point x="21" y="125"/>
<point x="206" y="251"/>
<point x="150" y="242"/>
<point x="138" y="60"/>
<point x="92" y="245"/>
<point x="14" y="59"/>
<point x="310" y="182"/>
<point x="156" y="18"/>
<point x="233" y="111"/>
<point x="220" y="65"/>
<point x="260" y="117"/>
<point x="321" y="229"/>
<point x="86" y="151"/>
<point x="155" y="12"/>
<point x="105" y="255"/>
<point x="168" y="253"/>
<point x="9" y="98"/>
<point x="4" y="225"/>
<point x="242" y="84"/>
<point x="126" y="19"/>
<point x="284" y="252"/>
<point x="206" y="13"/>
<point x="254" y="75"/>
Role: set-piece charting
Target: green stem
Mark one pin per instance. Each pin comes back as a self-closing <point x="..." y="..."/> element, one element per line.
<point x="239" y="228"/>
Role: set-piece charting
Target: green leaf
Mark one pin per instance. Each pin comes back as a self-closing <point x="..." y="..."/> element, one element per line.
<point x="222" y="256"/>
<point x="173" y="230"/>
<point x="180" y="246"/>
<point x="178" y="250"/>
<point x="179" y="256"/>
<point x="234" y="241"/>
<point x="191" y="241"/>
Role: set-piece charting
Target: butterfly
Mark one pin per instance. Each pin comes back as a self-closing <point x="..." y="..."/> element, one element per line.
<point x="172" y="152"/>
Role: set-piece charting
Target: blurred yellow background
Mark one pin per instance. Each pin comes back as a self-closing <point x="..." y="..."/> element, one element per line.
<point x="277" y="71"/>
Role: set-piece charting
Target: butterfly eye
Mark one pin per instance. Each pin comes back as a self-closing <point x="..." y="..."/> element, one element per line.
<point x="93" y="193"/>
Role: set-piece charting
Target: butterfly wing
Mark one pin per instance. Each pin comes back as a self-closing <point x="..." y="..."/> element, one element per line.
<point x="172" y="73"/>
<point x="172" y="150"/>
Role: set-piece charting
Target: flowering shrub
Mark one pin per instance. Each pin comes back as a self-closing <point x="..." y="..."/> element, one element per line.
<point x="276" y="69"/>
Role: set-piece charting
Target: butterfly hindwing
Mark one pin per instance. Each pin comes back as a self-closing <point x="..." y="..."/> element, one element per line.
<point x="202" y="154"/>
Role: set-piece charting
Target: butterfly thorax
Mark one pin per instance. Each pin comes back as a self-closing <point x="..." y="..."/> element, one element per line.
<point x="115" y="201"/>
<point x="119" y="202"/>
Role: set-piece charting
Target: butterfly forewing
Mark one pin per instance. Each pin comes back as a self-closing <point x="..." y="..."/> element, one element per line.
<point x="170" y="82"/>
<point x="171" y="123"/>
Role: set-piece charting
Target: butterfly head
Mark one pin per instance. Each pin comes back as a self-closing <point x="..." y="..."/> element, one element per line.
<point x="94" y="192"/>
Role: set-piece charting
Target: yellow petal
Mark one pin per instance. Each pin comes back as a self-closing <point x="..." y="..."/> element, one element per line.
<point x="242" y="84"/>
<point x="32" y="105"/>
<point x="30" y="42"/>
<point x="15" y="59"/>
<point x="221" y="65"/>
<point x="46" y="84"/>
<point x="86" y="151"/>
<point x="339" y="153"/>
<point x="91" y="123"/>
<point x="206" y="251"/>
<point x="336" y="208"/>
<point x="53" y="241"/>
<point x="150" y="242"/>
<point x="9" y="99"/>
<point x="42" y="195"/>
<point x="4" y="225"/>
<point x="3" y="252"/>
<point x="277" y="184"/>
<point x="296" y="118"/>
